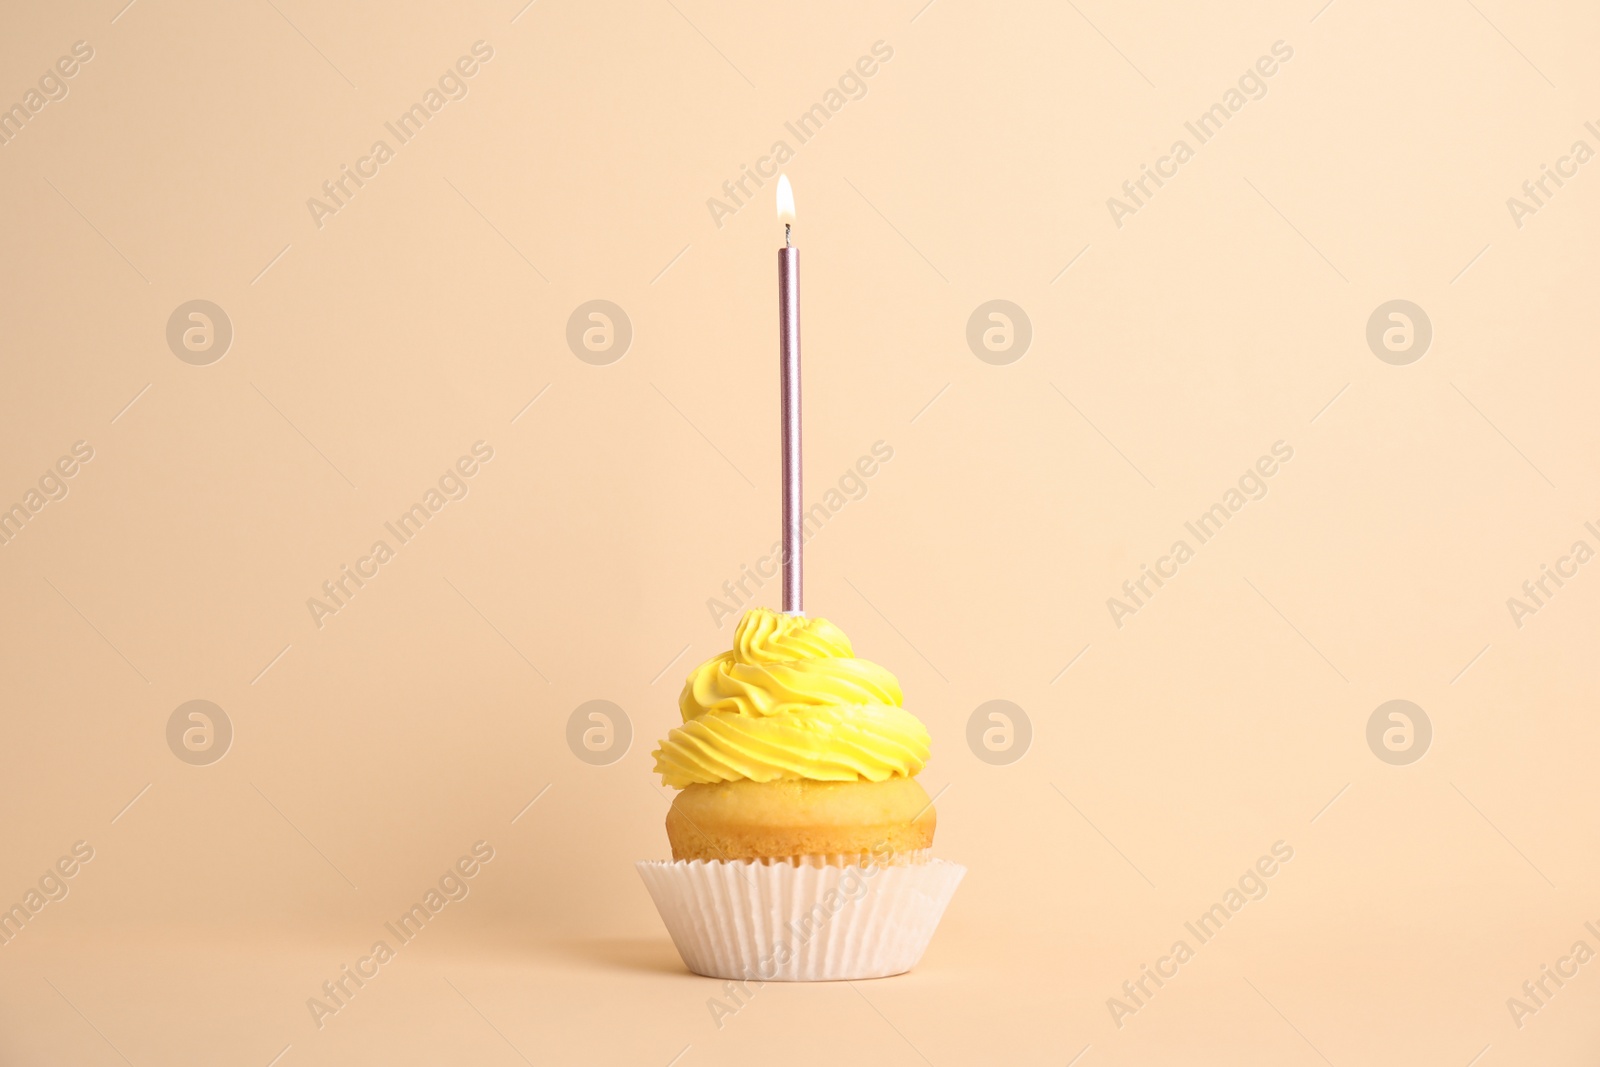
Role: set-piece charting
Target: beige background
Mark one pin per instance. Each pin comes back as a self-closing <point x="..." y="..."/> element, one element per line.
<point x="368" y="354"/>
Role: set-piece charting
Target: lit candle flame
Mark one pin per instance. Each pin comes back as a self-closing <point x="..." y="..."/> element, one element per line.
<point x="785" y="199"/>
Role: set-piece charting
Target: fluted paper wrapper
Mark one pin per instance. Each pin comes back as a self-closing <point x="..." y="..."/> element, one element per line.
<point x="800" y="922"/>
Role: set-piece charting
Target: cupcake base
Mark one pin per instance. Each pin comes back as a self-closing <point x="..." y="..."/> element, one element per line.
<point x="814" y="920"/>
<point x="744" y="820"/>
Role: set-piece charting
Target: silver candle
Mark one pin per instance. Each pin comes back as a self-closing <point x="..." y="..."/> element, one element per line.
<point x="789" y="402"/>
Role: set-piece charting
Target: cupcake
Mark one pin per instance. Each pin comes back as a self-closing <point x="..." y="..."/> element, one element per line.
<point x="800" y="837"/>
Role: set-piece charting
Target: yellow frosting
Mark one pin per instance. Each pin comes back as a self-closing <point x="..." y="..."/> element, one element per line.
<point x="791" y="701"/>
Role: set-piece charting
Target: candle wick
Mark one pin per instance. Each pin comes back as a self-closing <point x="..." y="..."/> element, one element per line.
<point x="786" y="235"/>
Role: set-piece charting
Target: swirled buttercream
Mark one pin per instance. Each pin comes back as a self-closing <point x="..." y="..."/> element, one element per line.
<point x="791" y="700"/>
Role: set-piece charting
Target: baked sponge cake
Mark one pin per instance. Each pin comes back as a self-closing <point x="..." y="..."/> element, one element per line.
<point x="793" y="817"/>
<point x="792" y="747"/>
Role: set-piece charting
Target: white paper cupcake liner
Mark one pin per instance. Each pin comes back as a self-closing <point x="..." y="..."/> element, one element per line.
<point x="800" y="922"/>
<point x="853" y="859"/>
